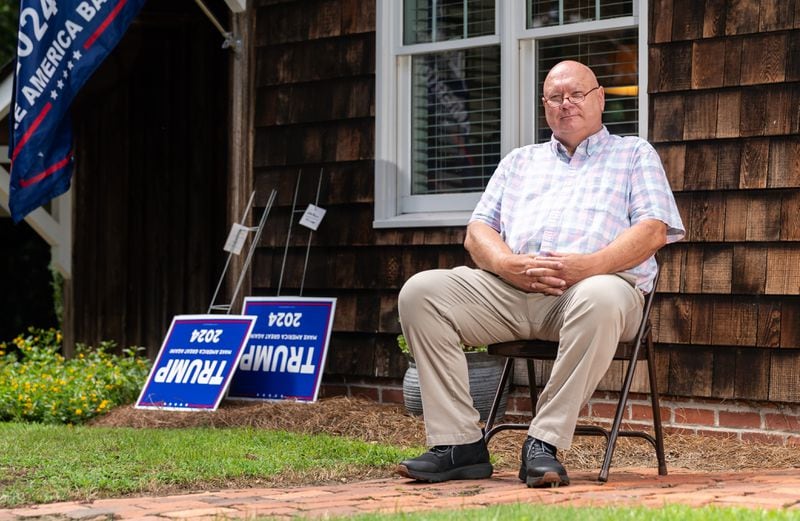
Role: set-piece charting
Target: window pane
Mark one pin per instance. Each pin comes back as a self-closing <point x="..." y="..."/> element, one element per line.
<point x="455" y="134"/>
<point x="543" y="13"/>
<point x="426" y="21"/>
<point x="613" y="56"/>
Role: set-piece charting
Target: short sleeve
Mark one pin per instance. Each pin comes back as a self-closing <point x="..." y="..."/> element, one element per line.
<point x="488" y="209"/>
<point x="651" y="196"/>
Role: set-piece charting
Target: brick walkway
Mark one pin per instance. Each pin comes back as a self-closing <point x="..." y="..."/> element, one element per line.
<point x="626" y="487"/>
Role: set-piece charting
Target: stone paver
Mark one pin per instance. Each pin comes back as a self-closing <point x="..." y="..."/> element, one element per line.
<point x="774" y="489"/>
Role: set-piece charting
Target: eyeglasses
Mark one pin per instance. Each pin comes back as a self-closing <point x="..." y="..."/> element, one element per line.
<point x="575" y="98"/>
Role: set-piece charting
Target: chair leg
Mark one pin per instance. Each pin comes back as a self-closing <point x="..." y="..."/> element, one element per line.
<point x="532" y="389"/>
<point x="623" y="400"/>
<point x="487" y="429"/>
<point x="654" y="400"/>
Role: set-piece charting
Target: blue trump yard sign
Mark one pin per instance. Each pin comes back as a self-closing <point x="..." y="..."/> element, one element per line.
<point x="286" y="352"/>
<point x="197" y="358"/>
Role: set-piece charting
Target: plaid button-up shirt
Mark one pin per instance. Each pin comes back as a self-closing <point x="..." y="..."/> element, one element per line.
<point x="542" y="201"/>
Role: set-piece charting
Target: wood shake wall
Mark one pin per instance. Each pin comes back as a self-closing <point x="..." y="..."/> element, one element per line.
<point x="724" y="85"/>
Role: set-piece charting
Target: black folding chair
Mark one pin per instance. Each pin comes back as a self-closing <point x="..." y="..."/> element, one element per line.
<point x="641" y="348"/>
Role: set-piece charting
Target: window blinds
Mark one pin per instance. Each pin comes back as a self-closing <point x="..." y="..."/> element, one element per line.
<point x="455" y="129"/>
<point x="545" y="13"/>
<point x="427" y="21"/>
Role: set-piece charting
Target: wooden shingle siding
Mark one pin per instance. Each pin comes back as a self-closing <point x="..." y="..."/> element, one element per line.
<point x="724" y="85"/>
<point x="714" y="18"/>
<point x="730" y="373"/>
<point x="708" y="64"/>
<point x="724" y="165"/>
<point x="748" y="273"/>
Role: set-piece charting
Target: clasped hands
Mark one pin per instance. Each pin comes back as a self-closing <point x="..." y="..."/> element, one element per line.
<point x="549" y="274"/>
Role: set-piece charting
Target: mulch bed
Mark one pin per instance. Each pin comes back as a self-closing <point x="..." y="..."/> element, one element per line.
<point x="390" y="424"/>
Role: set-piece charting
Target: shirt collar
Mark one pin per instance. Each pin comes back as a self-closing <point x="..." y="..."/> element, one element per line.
<point x="588" y="146"/>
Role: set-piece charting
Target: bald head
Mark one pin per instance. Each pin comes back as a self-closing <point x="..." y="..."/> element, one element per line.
<point x="572" y="122"/>
<point x="571" y="69"/>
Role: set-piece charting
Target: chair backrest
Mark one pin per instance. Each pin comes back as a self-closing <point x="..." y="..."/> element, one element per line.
<point x="625" y="349"/>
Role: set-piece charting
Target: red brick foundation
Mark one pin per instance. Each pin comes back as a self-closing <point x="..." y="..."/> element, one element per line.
<point x="762" y="422"/>
<point x="379" y="390"/>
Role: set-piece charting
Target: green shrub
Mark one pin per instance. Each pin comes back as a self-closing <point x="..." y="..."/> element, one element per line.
<point x="37" y="384"/>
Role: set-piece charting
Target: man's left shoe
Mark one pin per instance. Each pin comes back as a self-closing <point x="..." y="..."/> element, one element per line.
<point x="540" y="468"/>
<point x="447" y="462"/>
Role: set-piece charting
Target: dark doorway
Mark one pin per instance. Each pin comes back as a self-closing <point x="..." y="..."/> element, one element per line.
<point x="150" y="183"/>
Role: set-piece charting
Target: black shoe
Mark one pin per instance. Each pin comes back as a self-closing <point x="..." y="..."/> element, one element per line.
<point x="540" y="468"/>
<point x="446" y="462"/>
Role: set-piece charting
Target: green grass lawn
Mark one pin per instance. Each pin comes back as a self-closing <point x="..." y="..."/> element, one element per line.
<point x="533" y="512"/>
<point x="46" y="463"/>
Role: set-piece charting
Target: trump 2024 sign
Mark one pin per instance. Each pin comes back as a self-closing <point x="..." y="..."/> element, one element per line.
<point x="285" y="355"/>
<point x="196" y="361"/>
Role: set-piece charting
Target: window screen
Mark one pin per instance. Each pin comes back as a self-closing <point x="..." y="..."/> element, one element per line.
<point x="613" y="56"/>
<point x="455" y="129"/>
<point x="426" y="21"/>
<point x="544" y="13"/>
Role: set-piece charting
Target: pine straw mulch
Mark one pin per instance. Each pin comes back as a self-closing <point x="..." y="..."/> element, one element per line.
<point x="390" y="424"/>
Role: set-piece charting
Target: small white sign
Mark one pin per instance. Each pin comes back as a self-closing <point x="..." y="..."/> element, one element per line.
<point x="236" y="239"/>
<point x="312" y="217"/>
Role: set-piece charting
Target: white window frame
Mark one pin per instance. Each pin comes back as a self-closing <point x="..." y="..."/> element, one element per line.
<point x="395" y="207"/>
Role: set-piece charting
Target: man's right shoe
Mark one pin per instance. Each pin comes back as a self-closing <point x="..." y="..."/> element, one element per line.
<point x="540" y="468"/>
<point x="447" y="462"/>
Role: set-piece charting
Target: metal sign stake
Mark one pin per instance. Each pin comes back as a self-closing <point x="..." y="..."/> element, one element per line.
<point x="289" y="232"/>
<point x="310" y="235"/>
<point x="253" y="245"/>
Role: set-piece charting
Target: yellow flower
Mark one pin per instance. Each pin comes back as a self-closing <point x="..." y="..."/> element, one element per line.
<point x="78" y="412"/>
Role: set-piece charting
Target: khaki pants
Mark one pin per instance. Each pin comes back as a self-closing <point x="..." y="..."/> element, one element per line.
<point x="440" y="308"/>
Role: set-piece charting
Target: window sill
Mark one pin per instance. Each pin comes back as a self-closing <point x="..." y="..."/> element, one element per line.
<point x="420" y="220"/>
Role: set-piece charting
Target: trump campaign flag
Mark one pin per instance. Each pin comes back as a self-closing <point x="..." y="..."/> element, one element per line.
<point x="60" y="45"/>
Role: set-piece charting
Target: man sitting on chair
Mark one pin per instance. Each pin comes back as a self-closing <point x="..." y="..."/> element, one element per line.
<point x="564" y="236"/>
